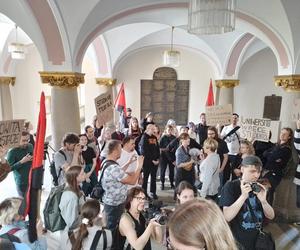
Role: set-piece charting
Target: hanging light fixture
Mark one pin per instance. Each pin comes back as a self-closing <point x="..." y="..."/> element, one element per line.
<point x="171" y="57"/>
<point x="17" y="49"/>
<point x="206" y="17"/>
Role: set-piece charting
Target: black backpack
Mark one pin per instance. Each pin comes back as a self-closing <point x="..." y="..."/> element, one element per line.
<point x="52" y="215"/>
<point x="98" y="191"/>
<point x="52" y="167"/>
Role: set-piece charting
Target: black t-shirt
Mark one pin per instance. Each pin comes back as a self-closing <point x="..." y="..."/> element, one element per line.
<point x="88" y="155"/>
<point x="243" y="226"/>
<point x="222" y="149"/>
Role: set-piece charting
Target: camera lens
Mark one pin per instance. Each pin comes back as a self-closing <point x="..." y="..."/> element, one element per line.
<point x="161" y="219"/>
<point x="255" y="187"/>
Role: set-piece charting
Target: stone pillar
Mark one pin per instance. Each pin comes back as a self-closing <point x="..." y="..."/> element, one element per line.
<point x="64" y="103"/>
<point x="224" y="93"/>
<point x="6" y="111"/>
<point x="285" y="196"/>
<point x="105" y="84"/>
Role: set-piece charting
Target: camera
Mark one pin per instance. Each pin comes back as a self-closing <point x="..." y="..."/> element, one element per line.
<point x="154" y="211"/>
<point x="255" y="187"/>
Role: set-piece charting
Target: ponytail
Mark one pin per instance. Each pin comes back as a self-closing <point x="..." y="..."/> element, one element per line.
<point x="81" y="234"/>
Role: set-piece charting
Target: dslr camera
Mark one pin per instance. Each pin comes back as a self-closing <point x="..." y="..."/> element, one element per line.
<point x="255" y="187"/>
<point x="154" y="211"/>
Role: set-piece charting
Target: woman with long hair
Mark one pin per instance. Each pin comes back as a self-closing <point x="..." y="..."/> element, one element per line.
<point x="132" y="226"/>
<point x="89" y="161"/>
<point x="72" y="198"/>
<point x="277" y="160"/>
<point x="246" y="149"/>
<point x="200" y="224"/>
<point x="90" y="227"/>
<point x="185" y="192"/>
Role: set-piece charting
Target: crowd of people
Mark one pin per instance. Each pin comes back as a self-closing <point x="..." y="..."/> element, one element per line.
<point x="224" y="185"/>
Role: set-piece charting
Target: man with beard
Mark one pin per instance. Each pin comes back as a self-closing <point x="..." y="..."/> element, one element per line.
<point x="20" y="160"/>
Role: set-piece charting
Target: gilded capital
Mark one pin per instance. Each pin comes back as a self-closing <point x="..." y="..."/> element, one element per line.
<point x="106" y="81"/>
<point x="7" y="80"/>
<point x="227" y="83"/>
<point x="288" y="82"/>
<point x="62" y="79"/>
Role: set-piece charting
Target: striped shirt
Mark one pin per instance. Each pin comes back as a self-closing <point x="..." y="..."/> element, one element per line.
<point x="297" y="146"/>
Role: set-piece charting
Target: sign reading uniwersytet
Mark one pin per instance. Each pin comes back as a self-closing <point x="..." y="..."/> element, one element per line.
<point x="255" y="129"/>
<point x="10" y="132"/>
<point x="104" y="107"/>
<point x="219" y="114"/>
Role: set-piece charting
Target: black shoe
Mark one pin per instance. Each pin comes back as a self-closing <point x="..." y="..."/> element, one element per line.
<point x="162" y="187"/>
<point x="172" y="186"/>
<point x="154" y="196"/>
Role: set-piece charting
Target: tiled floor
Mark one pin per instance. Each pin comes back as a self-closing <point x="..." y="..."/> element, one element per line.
<point x="287" y="236"/>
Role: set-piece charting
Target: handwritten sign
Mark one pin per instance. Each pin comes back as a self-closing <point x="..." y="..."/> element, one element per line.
<point x="218" y="114"/>
<point x="10" y="132"/>
<point x="104" y="107"/>
<point x="255" y="129"/>
<point x="296" y="109"/>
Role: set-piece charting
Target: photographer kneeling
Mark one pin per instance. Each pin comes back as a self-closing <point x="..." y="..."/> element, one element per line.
<point x="244" y="203"/>
<point x="132" y="226"/>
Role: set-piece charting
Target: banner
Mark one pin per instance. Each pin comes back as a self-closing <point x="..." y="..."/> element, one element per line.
<point x="104" y="107"/>
<point x="10" y="132"/>
<point x="218" y="115"/>
<point x="296" y="110"/>
<point x="255" y="129"/>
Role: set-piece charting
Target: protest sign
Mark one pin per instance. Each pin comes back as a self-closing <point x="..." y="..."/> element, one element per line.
<point x="104" y="107"/>
<point x="10" y="132"/>
<point x="218" y="115"/>
<point x="255" y="129"/>
<point x="296" y="109"/>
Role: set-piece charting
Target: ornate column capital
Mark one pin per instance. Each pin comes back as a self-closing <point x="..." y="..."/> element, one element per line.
<point x="7" y="80"/>
<point x="289" y="83"/>
<point x="227" y="83"/>
<point x="62" y="79"/>
<point x="106" y="81"/>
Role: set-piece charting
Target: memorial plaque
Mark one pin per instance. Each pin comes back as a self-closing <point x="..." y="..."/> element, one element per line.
<point x="272" y="107"/>
<point x="166" y="96"/>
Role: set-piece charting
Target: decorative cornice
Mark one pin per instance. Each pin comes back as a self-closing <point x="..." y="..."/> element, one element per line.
<point x="7" y="80"/>
<point x="106" y="81"/>
<point x="289" y="83"/>
<point x="227" y="83"/>
<point x="62" y="79"/>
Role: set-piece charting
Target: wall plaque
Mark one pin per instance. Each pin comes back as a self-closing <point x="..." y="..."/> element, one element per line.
<point x="272" y="107"/>
<point x="166" y="96"/>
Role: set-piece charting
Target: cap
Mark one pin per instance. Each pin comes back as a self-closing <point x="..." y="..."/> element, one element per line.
<point x="251" y="160"/>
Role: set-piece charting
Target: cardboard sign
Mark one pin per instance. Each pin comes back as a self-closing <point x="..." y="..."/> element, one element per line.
<point x="218" y="115"/>
<point x="104" y="107"/>
<point x="10" y="132"/>
<point x="255" y="129"/>
<point x="296" y="110"/>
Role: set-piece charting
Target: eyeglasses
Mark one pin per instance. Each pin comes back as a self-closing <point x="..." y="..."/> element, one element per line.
<point x="140" y="198"/>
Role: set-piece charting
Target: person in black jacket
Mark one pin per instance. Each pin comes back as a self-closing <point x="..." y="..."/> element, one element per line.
<point x="149" y="148"/>
<point x="277" y="159"/>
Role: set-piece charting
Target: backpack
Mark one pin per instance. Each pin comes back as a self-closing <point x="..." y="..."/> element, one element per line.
<point x="98" y="191"/>
<point x="52" y="167"/>
<point x="52" y="216"/>
<point x="10" y="235"/>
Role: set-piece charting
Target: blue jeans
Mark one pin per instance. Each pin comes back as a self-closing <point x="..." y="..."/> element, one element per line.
<point x="113" y="215"/>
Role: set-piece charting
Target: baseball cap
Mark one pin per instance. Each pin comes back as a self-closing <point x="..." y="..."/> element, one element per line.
<point x="251" y="160"/>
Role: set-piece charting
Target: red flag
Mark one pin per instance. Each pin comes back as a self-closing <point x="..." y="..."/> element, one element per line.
<point x="120" y="105"/>
<point x="36" y="172"/>
<point x="120" y="102"/>
<point x="210" y="96"/>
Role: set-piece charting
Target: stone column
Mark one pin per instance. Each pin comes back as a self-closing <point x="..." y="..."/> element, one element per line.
<point x="6" y="110"/>
<point x="285" y="196"/>
<point x="224" y="93"/>
<point x="64" y="103"/>
<point x="105" y="84"/>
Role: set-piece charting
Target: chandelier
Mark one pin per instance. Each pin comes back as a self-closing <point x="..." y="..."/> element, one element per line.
<point x="17" y="49"/>
<point x="206" y="17"/>
<point x="171" y="57"/>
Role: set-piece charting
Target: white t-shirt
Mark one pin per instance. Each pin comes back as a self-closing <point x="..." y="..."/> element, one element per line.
<point x="232" y="141"/>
